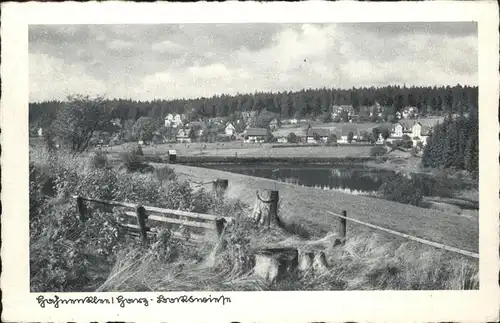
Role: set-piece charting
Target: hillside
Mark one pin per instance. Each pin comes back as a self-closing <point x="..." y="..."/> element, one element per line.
<point x="308" y="207"/>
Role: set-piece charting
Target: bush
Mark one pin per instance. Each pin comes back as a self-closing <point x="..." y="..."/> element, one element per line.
<point x="378" y="151"/>
<point x="165" y="174"/>
<point x="98" y="160"/>
<point x="401" y="189"/>
<point x="133" y="160"/>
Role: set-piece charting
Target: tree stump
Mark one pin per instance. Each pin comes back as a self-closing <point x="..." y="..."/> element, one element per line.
<point x="274" y="264"/>
<point x="320" y="265"/>
<point x="220" y="187"/>
<point x="306" y="259"/>
<point x="265" y="210"/>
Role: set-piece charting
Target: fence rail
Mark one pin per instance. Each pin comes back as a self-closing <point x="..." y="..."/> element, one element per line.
<point x="343" y="230"/>
<point x="165" y="217"/>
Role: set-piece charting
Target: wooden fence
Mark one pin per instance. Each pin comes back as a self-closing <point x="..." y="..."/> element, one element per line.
<point x="343" y="232"/>
<point x="140" y="220"/>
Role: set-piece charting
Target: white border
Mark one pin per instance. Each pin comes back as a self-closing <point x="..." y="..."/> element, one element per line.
<point x="464" y="306"/>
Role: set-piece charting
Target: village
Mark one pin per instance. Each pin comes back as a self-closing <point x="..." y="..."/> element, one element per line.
<point x="345" y="127"/>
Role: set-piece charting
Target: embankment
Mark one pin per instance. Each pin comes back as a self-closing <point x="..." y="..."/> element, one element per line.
<point x="309" y="208"/>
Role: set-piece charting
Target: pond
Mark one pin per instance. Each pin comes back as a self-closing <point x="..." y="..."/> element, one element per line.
<point x="351" y="178"/>
<point x="355" y="178"/>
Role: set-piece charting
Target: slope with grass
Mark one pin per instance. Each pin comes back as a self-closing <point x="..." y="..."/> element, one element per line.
<point x="308" y="207"/>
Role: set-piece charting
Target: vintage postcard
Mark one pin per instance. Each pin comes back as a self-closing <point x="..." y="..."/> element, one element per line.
<point x="252" y="162"/>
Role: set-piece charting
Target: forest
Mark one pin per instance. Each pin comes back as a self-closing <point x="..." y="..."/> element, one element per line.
<point x="310" y="103"/>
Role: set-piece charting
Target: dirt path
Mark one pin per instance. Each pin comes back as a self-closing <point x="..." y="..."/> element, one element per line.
<point x="308" y="207"/>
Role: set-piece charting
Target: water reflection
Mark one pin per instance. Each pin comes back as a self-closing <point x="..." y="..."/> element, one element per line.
<point x="339" y="177"/>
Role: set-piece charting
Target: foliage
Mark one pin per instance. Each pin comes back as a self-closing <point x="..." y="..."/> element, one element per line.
<point x="316" y="137"/>
<point x="401" y="189"/>
<point x="386" y="133"/>
<point x="78" y="119"/>
<point x="326" y="117"/>
<point x="165" y="174"/>
<point x="292" y="138"/>
<point x="98" y="159"/>
<point x="133" y="160"/>
<point x="65" y="252"/>
<point x="378" y="151"/>
<point x="332" y="139"/>
<point x="144" y="128"/>
<point x="454" y="144"/>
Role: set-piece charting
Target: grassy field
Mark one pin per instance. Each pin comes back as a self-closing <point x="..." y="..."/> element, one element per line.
<point x="308" y="208"/>
<point x="246" y="149"/>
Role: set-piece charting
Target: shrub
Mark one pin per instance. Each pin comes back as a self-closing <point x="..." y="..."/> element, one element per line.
<point x="60" y="254"/>
<point x="378" y="151"/>
<point x="133" y="160"/>
<point x="401" y="189"/>
<point x="165" y="174"/>
<point x="98" y="160"/>
<point x="332" y="139"/>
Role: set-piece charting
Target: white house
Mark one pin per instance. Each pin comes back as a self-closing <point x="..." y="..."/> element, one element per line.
<point x="419" y="133"/>
<point x="230" y="129"/>
<point x="255" y="135"/>
<point x="183" y="135"/>
<point x="169" y="120"/>
<point x="40" y="132"/>
<point x="282" y="140"/>
<point x="312" y="133"/>
<point x="293" y="121"/>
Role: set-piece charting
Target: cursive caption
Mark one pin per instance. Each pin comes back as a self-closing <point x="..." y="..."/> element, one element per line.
<point x="122" y="301"/>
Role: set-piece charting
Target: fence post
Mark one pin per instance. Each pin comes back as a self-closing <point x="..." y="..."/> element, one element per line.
<point x="273" y="207"/>
<point x="140" y="212"/>
<point x="220" y="186"/>
<point x="80" y="204"/>
<point x="342" y="232"/>
<point x="220" y="225"/>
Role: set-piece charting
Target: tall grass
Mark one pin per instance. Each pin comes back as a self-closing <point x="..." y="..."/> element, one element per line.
<point x="364" y="263"/>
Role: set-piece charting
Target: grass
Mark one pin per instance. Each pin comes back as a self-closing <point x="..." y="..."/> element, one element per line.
<point x="251" y="150"/>
<point x="367" y="262"/>
<point x="308" y="207"/>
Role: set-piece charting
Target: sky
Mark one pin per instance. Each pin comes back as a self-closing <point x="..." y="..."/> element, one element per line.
<point x="147" y="62"/>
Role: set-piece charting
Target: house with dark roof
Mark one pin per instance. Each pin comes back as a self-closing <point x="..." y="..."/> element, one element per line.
<point x="323" y="135"/>
<point x="255" y="135"/>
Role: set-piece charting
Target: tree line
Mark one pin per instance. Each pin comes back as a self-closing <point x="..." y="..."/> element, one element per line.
<point x="310" y="103"/>
<point x="454" y="144"/>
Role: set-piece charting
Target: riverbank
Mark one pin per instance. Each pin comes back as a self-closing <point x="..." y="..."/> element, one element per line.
<point x="309" y="207"/>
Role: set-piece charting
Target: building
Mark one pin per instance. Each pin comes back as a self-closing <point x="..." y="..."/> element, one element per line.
<point x="282" y="140"/>
<point x="230" y="129"/>
<point x="322" y="133"/>
<point x="183" y="135"/>
<point x="40" y="132"/>
<point x="169" y="120"/>
<point x="420" y="133"/>
<point x="255" y="135"/>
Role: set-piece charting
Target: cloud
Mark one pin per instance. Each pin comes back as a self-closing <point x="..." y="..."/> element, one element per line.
<point x="50" y="78"/>
<point x="168" y="61"/>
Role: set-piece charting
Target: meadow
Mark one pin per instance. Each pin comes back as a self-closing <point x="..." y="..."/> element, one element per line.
<point x="66" y="255"/>
<point x="242" y="150"/>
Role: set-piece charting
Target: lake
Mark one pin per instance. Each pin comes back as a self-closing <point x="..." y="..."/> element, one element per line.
<point x="343" y="177"/>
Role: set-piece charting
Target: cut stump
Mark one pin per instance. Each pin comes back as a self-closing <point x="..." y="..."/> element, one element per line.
<point x="275" y="264"/>
<point x="265" y="210"/>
